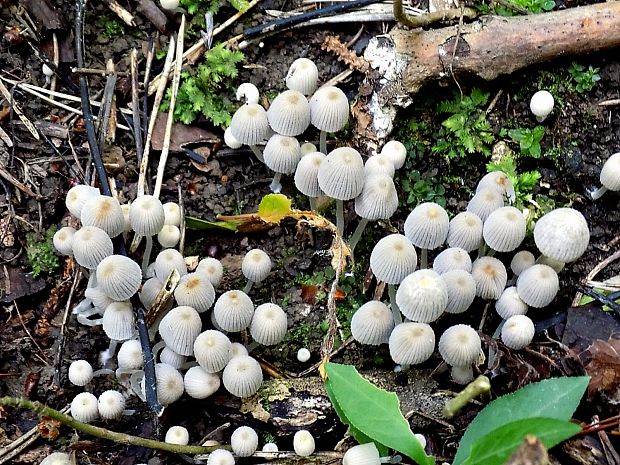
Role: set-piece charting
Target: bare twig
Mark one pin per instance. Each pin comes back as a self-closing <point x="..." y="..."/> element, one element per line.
<point x="596" y="270"/>
<point x="135" y="104"/>
<point x="427" y="19"/>
<point x="56" y="61"/>
<point x="17" y="183"/>
<point x="7" y="95"/>
<point x="121" y="12"/>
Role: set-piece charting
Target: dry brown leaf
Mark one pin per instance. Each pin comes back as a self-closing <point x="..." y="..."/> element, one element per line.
<point x="343" y="53"/>
<point x="181" y="135"/>
<point x="308" y="293"/>
<point x="604" y="367"/>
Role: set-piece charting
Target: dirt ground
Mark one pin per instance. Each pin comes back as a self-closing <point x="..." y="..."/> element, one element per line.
<point x="36" y="313"/>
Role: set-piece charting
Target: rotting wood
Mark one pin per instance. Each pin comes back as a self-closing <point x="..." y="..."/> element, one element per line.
<point x="488" y="48"/>
<point x="150" y="11"/>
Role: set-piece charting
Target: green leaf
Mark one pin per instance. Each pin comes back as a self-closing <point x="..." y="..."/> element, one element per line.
<point x="274" y="207"/>
<point x="372" y="411"/>
<point x="199" y="224"/>
<point x="553" y="398"/>
<point x="495" y="447"/>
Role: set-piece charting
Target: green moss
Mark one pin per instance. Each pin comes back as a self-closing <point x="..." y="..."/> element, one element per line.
<point x="41" y="253"/>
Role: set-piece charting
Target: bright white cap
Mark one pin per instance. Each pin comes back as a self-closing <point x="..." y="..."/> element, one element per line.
<point x="465" y="231"/>
<point x="504" y="229"/>
<point x="521" y="261"/>
<point x="57" y="458"/>
<point x="341" y="175"/>
<point x="256" y="265"/>
<point x="379" y="164"/>
<point x="196" y="291"/>
<point x="282" y="154"/>
<point x="541" y="104"/>
<point x="561" y="234"/>
<point x="393" y="258"/>
<point x="453" y="258"/>
<point x="248" y="93"/>
<point x="146" y="215"/>
<point x="510" y="304"/>
<point x="462" y="375"/>
<point x="233" y="311"/>
<point x="80" y="373"/>
<point x="169" y="384"/>
<point x="396" y="151"/>
<point x="150" y="290"/>
<point x="249" y="124"/>
<point x="169" y="236"/>
<point x="212" y="350"/>
<point x="220" y="457"/>
<point x="169" y="5"/>
<point x="378" y="199"/>
<point x="610" y="173"/>
<point x="90" y="246"/>
<point x="200" y="384"/>
<point x="230" y="140"/>
<point x="84" y="407"/>
<point x="111" y="405"/>
<point x="172" y="213"/>
<point x="119" y="277"/>
<point x="461" y="290"/>
<point x="485" y="202"/>
<point x="212" y="268"/>
<point x="329" y="109"/>
<point x="105" y="213"/>
<point x="63" y="240"/>
<point x="303" y="355"/>
<point x="99" y="298"/>
<point x="118" y="321"/>
<point x="499" y="181"/>
<point x="538" y="285"/>
<point x="269" y="324"/>
<point x="270" y="447"/>
<point x="302" y="76"/>
<point x="490" y="276"/>
<point x="244" y="441"/>
<point x="307" y="174"/>
<point x="422" y="296"/>
<point x="517" y="332"/>
<point x="289" y="113"/>
<point x="237" y="348"/>
<point x="427" y="225"/>
<point x="411" y="343"/>
<point x="242" y="376"/>
<point x="460" y="345"/>
<point x="130" y="355"/>
<point x="168" y="260"/>
<point x="362" y="454"/>
<point x="303" y="443"/>
<point x="372" y="323"/>
<point x="78" y="196"/>
<point x="170" y="357"/>
<point x="179" y="328"/>
<point x="177" y="435"/>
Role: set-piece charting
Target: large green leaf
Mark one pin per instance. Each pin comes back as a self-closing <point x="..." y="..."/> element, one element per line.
<point x="274" y="207"/>
<point x="495" y="447"/>
<point x="552" y="398"/>
<point x="199" y="224"/>
<point x="371" y="411"/>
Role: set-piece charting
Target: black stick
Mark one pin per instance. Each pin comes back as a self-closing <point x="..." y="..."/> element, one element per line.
<point x="604" y="299"/>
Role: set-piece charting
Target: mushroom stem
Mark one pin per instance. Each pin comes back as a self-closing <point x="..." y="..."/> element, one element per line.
<point x="248" y="286"/>
<point x="357" y="235"/>
<point x="423" y="259"/>
<point x="146" y="258"/>
<point x="134" y="381"/>
<point x="398" y="318"/>
<point x="481" y="249"/>
<point x="313" y="204"/>
<point x="323" y="142"/>
<point x="86" y="322"/>
<point x="253" y="345"/>
<point x="481" y="385"/>
<point x="598" y="193"/>
<point x="276" y="185"/>
<point x="257" y="152"/>
<point x="340" y="216"/>
<point x="491" y="253"/>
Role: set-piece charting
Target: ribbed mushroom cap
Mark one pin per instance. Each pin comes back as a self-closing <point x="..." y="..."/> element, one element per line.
<point x="169" y="384"/>
<point x="84" y="407"/>
<point x="465" y="231"/>
<point x="541" y="104"/>
<point x="242" y="376"/>
<point x="179" y="328"/>
<point x="372" y="323"/>
<point x="150" y="290"/>
<point x="147" y="215"/>
<point x="269" y="324"/>
<point x="504" y="229"/>
<point x="233" y="311"/>
<point x="396" y="151"/>
<point x="510" y="304"/>
<point x="248" y="93"/>
<point x="177" y="435"/>
<point x="105" y="213"/>
<point x="460" y="345"/>
<point x="237" y="348"/>
<point x="379" y="164"/>
<point x="498" y="181"/>
<point x="99" y="299"/>
<point x="462" y="375"/>
<point x="230" y="140"/>
<point x="129" y="355"/>
<point x="557" y="265"/>
<point x="212" y="350"/>
<point x="538" y="285"/>
<point x="119" y="277"/>
<point x="303" y="443"/>
<point x="249" y="124"/>
<point x="200" y="384"/>
<point x="57" y="458"/>
<point x="63" y="240"/>
<point x="393" y="258"/>
<point x="453" y="258"/>
<point x="256" y="265"/>
<point x="282" y="154"/>
<point x="329" y="109"/>
<point x="490" y="276"/>
<point x="610" y="173"/>
<point x="212" y="268"/>
<point x="521" y="261"/>
<point x="91" y="245"/>
<point x="78" y="196"/>
<point x="422" y="296"/>
<point x="118" y="321"/>
<point x="307" y="147"/>
<point x="80" y="373"/>
<point x="427" y="225"/>
<point x="170" y="357"/>
<point x="461" y="290"/>
<point x="307" y="174"/>
<point x="378" y="199"/>
<point x="303" y="355"/>
<point x="168" y="260"/>
<point x="341" y="174"/>
<point x="411" y="343"/>
<point x="561" y="234"/>
<point x="485" y="202"/>
<point x="196" y="291"/>
<point x="220" y="457"/>
<point x="111" y="405"/>
<point x="289" y="113"/>
<point x="362" y="454"/>
<point x="302" y="76"/>
<point x="244" y="441"/>
<point x="518" y="332"/>
<point x="169" y="236"/>
<point x="172" y="213"/>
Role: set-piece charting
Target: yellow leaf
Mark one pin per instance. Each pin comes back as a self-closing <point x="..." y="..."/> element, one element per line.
<point x="274" y="208"/>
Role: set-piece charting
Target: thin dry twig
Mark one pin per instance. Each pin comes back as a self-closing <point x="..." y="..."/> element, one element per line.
<point x="334" y="45"/>
<point x="121" y="12"/>
<point x="596" y="270"/>
<point x="7" y="95"/>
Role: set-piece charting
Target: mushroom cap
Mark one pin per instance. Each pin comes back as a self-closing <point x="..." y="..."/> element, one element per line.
<point x="150" y="290"/>
<point x="269" y="324"/>
<point x="179" y="328"/>
<point x="379" y="164"/>
<point x="169" y="4"/>
<point x="177" y="435"/>
<point x="169" y="236"/>
<point x="221" y="457"/>
<point x="168" y="260"/>
<point x="248" y="92"/>
<point x="517" y="332"/>
<point x="510" y="304"/>
<point x="196" y="291"/>
<point x="282" y="154"/>
<point x="307" y="174"/>
<point x="230" y="140"/>
<point x="465" y="231"/>
<point x="129" y="355"/>
<point x="462" y="375"/>
<point x="538" y="285"/>
<point x="244" y="441"/>
<point x="307" y="147"/>
<point x="125" y="207"/>
<point x="499" y="181"/>
<point x="118" y="321"/>
<point x="249" y="124"/>
<point x="329" y="109"/>
<point x="212" y="268"/>
<point x="63" y="240"/>
<point x="557" y="265"/>
<point x="256" y="265"/>
<point x="302" y="76"/>
<point x="84" y="407"/>
<point x="411" y="343"/>
<point x="561" y="234"/>
<point x="289" y="113"/>
<point x="484" y="202"/>
<point x="111" y="404"/>
<point x="212" y="350"/>
<point x="362" y="454"/>
<point x="105" y="213"/>
<point x="427" y="225"/>
<point x="199" y="383"/>
<point x="169" y="384"/>
<point x="91" y="245"/>
<point x="170" y="357"/>
<point x="521" y="261"/>
<point x="77" y="196"/>
<point x="378" y="199"/>
<point x="490" y="276"/>
<point x="461" y="290"/>
<point x="372" y="323"/>
<point x="393" y="258"/>
<point x="99" y="299"/>
<point x="147" y="215"/>
<point x="396" y="151"/>
<point x="504" y="229"/>
<point x="119" y="277"/>
<point x="610" y="173"/>
<point x="80" y="373"/>
<point x="460" y="345"/>
<point x="233" y="311"/>
<point x="341" y="174"/>
<point x="303" y="355"/>
<point x="242" y="376"/>
<point x="422" y="296"/>
<point x="57" y="458"/>
<point x="237" y="348"/>
<point x="303" y="443"/>
<point x="452" y="258"/>
<point x="542" y="103"/>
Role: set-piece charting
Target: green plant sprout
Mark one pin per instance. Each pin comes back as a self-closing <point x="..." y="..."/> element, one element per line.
<point x="419" y="189"/>
<point x="585" y="78"/>
<point x="534" y="6"/>
<point x="528" y="139"/>
<point x="40" y="252"/>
